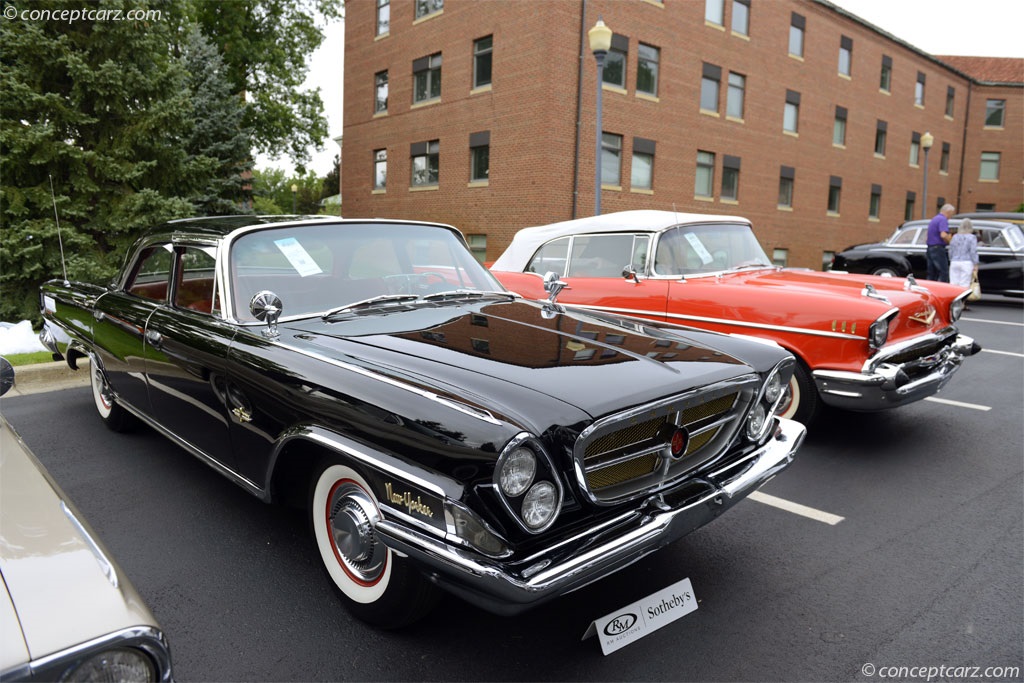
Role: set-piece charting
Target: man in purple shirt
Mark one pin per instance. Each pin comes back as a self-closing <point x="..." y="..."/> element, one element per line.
<point x="938" y="238"/>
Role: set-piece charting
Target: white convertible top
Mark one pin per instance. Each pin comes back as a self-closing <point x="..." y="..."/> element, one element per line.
<point x="528" y="240"/>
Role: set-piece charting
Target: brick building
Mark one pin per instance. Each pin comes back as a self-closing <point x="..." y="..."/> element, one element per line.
<point x="797" y="115"/>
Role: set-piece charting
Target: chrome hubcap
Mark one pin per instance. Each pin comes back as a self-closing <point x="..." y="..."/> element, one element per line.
<point x="351" y="516"/>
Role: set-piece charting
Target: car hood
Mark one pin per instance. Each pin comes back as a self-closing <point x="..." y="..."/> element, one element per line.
<point x="62" y="587"/>
<point x="509" y="356"/>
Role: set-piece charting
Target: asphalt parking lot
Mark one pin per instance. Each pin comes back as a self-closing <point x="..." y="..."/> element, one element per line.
<point x="892" y="547"/>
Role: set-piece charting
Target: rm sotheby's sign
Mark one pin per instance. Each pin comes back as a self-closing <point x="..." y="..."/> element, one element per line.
<point x="623" y="626"/>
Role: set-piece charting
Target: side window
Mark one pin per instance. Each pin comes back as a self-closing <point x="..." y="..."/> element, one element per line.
<point x="988" y="237"/>
<point x="196" y="283"/>
<point x="905" y="237"/>
<point x="600" y="255"/>
<point x="152" y="273"/>
<point x="550" y="257"/>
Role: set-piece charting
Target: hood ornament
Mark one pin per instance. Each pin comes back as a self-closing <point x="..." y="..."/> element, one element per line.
<point x="870" y="292"/>
<point x="910" y="284"/>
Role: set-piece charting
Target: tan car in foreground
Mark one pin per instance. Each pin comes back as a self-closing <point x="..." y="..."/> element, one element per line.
<point x="67" y="611"/>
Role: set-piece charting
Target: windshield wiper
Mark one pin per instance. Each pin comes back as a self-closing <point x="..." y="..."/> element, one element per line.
<point x="464" y="293"/>
<point x="745" y="266"/>
<point x="372" y="301"/>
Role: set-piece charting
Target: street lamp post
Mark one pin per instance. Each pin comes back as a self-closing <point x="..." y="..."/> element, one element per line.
<point x="926" y="144"/>
<point x="295" y="193"/>
<point x="600" y="41"/>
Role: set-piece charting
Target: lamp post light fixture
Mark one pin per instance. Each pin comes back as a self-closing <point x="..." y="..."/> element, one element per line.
<point x="295" y="193"/>
<point x="926" y="144"/>
<point x="600" y="41"/>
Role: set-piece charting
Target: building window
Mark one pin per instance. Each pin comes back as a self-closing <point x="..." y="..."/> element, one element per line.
<point x="787" y="176"/>
<point x="880" y="136"/>
<point x="380" y="169"/>
<point x="875" y="204"/>
<point x="950" y="101"/>
<point x="380" y="87"/>
<point x="741" y="17"/>
<point x="734" y="96"/>
<point x="885" y="81"/>
<point x="479" y="156"/>
<point x="835" y="191"/>
<point x="908" y="209"/>
<point x="995" y="113"/>
<point x="426" y="73"/>
<point x="615" y="62"/>
<point x="427" y="7"/>
<point x="482" y="53"/>
<point x="989" y="166"/>
<point x="611" y="159"/>
<point x="791" y="113"/>
<point x="478" y="245"/>
<point x="730" y="178"/>
<point x="780" y="257"/>
<point x="944" y="159"/>
<point x="984" y="207"/>
<point x="704" y="183"/>
<point x="714" y="12"/>
<point x="647" y="69"/>
<point x="797" y="24"/>
<point x="919" y="90"/>
<point x="383" y="17"/>
<point x="839" y="127"/>
<point x="425" y="163"/>
<point x="845" y="55"/>
<point x="641" y="175"/>
<point x="710" y="81"/>
<point x="915" y="149"/>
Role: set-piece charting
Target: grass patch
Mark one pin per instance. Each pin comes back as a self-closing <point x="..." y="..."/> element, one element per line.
<point x="17" y="359"/>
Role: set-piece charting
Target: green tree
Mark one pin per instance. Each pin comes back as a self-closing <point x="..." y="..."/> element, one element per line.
<point x="265" y="45"/>
<point x="103" y="109"/>
<point x="218" y="138"/>
<point x="332" y="181"/>
<point x="272" y="192"/>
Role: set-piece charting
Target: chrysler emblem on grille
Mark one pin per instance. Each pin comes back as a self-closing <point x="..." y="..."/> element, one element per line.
<point x="678" y="443"/>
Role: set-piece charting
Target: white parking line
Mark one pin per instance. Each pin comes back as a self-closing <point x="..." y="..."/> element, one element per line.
<point x="796" y="508"/>
<point x="992" y="322"/>
<point x="1004" y="353"/>
<point x="958" y="404"/>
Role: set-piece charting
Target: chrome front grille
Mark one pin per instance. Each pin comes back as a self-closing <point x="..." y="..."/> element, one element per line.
<point x="630" y="453"/>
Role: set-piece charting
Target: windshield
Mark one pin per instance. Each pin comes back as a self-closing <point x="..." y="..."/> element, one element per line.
<point x="694" y="249"/>
<point x="325" y="267"/>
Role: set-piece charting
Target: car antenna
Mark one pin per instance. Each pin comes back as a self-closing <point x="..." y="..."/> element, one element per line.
<point x="60" y="241"/>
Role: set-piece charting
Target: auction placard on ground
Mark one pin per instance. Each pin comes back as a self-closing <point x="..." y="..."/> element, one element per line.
<point x="632" y="622"/>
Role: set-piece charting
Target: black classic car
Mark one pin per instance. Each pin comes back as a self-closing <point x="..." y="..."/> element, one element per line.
<point x="440" y="431"/>
<point x="1000" y="252"/>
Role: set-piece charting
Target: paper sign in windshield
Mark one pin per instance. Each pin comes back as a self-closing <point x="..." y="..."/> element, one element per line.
<point x="632" y="622"/>
<point x="698" y="246"/>
<point x="297" y="255"/>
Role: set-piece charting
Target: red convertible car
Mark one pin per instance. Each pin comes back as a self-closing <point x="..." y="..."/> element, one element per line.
<point x="863" y="343"/>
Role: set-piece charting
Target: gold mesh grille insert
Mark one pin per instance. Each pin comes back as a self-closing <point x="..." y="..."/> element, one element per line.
<point x="701" y="440"/>
<point x="709" y="409"/>
<point x="625" y="471"/>
<point x="626" y="436"/>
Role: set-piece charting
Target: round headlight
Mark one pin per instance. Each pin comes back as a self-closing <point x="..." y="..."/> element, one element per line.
<point x="878" y="334"/>
<point x="540" y="505"/>
<point x="956" y="309"/>
<point x="773" y="388"/>
<point x="756" y="422"/>
<point x="121" y="664"/>
<point x="517" y="471"/>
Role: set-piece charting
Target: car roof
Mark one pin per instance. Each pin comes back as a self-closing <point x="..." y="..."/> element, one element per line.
<point x="526" y="242"/>
<point x="218" y="227"/>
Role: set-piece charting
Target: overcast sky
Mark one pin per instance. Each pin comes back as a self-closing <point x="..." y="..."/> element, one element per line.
<point x="981" y="28"/>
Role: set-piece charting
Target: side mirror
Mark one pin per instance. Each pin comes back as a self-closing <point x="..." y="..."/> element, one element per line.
<point x="266" y="307"/>
<point x="552" y="285"/>
<point x="6" y="376"/>
<point x="629" y="273"/>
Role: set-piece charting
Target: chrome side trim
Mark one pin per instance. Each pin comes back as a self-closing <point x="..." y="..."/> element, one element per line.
<point x="105" y="564"/>
<point x="722" y="321"/>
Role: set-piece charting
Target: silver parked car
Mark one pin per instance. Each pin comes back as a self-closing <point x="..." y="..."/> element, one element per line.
<point x="68" y="612"/>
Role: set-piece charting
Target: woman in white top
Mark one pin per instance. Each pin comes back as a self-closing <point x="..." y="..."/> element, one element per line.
<point x="963" y="255"/>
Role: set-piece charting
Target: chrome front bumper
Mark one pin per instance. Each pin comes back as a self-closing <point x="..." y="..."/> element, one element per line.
<point x="887" y="385"/>
<point x="598" y="551"/>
